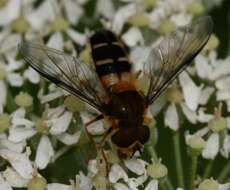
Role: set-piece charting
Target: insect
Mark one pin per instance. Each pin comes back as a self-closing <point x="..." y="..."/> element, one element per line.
<point x="110" y="87"/>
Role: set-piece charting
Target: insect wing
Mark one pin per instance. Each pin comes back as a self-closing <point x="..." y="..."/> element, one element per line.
<point x="66" y="72"/>
<point x="174" y="53"/>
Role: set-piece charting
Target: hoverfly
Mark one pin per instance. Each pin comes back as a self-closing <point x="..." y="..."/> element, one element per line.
<point x="110" y="88"/>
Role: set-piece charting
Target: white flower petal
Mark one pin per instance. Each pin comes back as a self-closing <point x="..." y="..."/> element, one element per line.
<point x="212" y="147"/>
<point x="204" y="117"/>
<point x="61" y="124"/>
<point x="225" y="150"/>
<point x="137" y="166"/>
<point x="9" y="44"/>
<point x="51" y="96"/>
<point x="121" y="17"/>
<point x="15" y="79"/>
<point x="205" y="95"/>
<point x="32" y="75"/>
<point x="69" y="139"/>
<point x="85" y="182"/>
<point x="10" y="12"/>
<point x="152" y="185"/>
<point x="190" y="90"/>
<point x="222" y="69"/>
<point x="77" y="37"/>
<point x="171" y="118"/>
<point x="116" y="173"/>
<point x="120" y="186"/>
<point x="44" y="152"/>
<point x="58" y="186"/>
<point x="19" y="113"/>
<point x="4" y="184"/>
<point x="73" y="11"/>
<point x="56" y="41"/>
<point x="133" y="183"/>
<point x="181" y="19"/>
<point x="203" y="69"/>
<point x="132" y="37"/>
<point x="105" y="8"/>
<point x="225" y="186"/>
<point x="223" y="95"/>
<point x="20" y="162"/>
<point x="17" y="147"/>
<point x="22" y="122"/>
<point x="223" y="83"/>
<point x="190" y="115"/>
<point x="13" y="178"/>
<point x="19" y="134"/>
<point x="3" y="91"/>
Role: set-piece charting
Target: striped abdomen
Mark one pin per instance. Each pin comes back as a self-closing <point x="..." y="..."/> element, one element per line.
<point x="110" y="58"/>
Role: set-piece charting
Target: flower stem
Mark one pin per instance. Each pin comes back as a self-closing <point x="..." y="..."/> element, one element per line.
<point x="224" y="174"/>
<point x="208" y="169"/>
<point x="177" y="153"/>
<point x="166" y="183"/>
<point x="194" y="158"/>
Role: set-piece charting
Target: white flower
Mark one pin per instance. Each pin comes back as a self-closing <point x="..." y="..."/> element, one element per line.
<point x="20" y="162"/>
<point x="152" y="185"/>
<point x="44" y="152"/>
<point x="172" y="118"/>
<point x="120" y="186"/>
<point x="116" y="173"/>
<point x="137" y="166"/>
<point x="105" y="8"/>
<point x="133" y="37"/>
<point x="4" y="184"/>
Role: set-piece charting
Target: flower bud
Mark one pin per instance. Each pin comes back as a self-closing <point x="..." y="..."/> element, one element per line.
<point x="23" y="99"/>
<point x="37" y="183"/>
<point x="213" y="42"/>
<point x="4" y="122"/>
<point x="166" y="27"/>
<point x="217" y="124"/>
<point x="41" y="126"/>
<point x="157" y="170"/>
<point x="139" y="19"/>
<point x="195" y="8"/>
<point x="174" y="95"/>
<point x="73" y="104"/>
<point x="59" y="24"/>
<point x="196" y="143"/>
<point x="20" y="25"/>
<point x="208" y="184"/>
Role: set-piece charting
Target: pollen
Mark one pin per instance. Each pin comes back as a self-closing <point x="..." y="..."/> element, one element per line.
<point x="166" y="27"/>
<point x="139" y="20"/>
<point x="195" y="8"/>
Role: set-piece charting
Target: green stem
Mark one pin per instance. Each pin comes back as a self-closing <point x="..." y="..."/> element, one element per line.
<point x="177" y="153"/>
<point x="165" y="183"/>
<point x="193" y="170"/>
<point x="208" y="169"/>
<point x="224" y="174"/>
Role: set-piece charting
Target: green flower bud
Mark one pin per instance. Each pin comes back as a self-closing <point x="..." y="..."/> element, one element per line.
<point x="195" y="8"/>
<point x="4" y="122"/>
<point x="100" y="182"/>
<point x="174" y="95"/>
<point x="217" y="124"/>
<point x="149" y="3"/>
<point x="85" y="55"/>
<point x="213" y="42"/>
<point x="20" y="25"/>
<point x="2" y="73"/>
<point x="73" y="104"/>
<point x="166" y="27"/>
<point x="196" y="143"/>
<point x="139" y="19"/>
<point x="37" y="183"/>
<point x="3" y="3"/>
<point x="23" y="99"/>
<point x="59" y="24"/>
<point x="208" y="184"/>
<point x="112" y="157"/>
<point x="41" y="127"/>
<point x="157" y="170"/>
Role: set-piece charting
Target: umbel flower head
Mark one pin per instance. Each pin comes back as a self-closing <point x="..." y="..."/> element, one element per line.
<point x="43" y="143"/>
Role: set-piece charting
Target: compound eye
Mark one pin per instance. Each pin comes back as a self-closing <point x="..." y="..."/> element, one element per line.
<point x="144" y="134"/>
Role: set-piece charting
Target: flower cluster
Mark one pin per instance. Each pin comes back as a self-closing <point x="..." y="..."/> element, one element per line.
<point x="41" y="126"/>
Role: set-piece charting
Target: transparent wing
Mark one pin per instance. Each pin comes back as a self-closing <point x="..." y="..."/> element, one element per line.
<point x="66" y="72"/>
<point x="174" y="53"/>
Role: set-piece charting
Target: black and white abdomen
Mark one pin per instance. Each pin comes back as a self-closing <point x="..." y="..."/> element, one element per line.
<point x="110" y="58"/>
